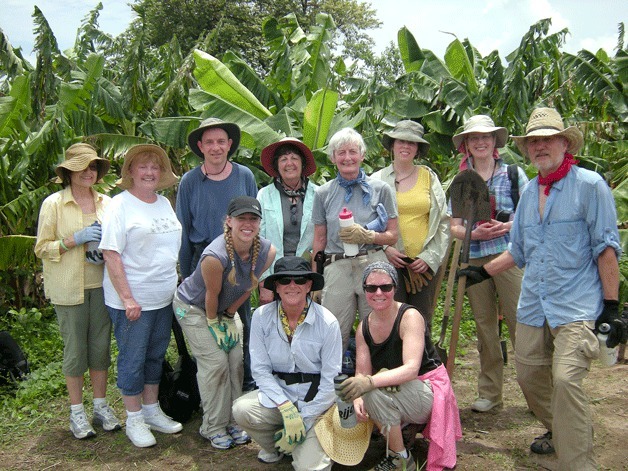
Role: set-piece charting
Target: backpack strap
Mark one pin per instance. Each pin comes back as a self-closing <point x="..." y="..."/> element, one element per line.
<point x="513" y="176"/>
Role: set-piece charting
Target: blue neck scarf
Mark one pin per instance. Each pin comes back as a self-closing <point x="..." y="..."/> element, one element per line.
<point x="349" y="184"/>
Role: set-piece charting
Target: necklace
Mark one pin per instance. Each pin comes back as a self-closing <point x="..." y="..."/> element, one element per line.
<point x="207" y="174"/>
<point x="399" y="180"/>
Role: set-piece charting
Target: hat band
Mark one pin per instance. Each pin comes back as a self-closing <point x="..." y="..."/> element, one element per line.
<point x="544" y="127"/>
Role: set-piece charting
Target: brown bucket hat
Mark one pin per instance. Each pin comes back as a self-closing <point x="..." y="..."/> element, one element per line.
<point x="406" y="130"/>
<point x="482" y="124"/>
<point x="77" y="158"/>
<point x="167" y="179"/>
<point x="268" y="156"/>
<point x="232" y="130"/>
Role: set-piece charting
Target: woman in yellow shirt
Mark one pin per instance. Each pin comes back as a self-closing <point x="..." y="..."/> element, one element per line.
<point x="423" y="219"/>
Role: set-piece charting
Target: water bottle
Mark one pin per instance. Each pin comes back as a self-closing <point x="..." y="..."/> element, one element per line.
<point x="608" y="356"/>
<point x="346" y="411"/>
<point x="345" y="219"/>
<point x="348" y="368"/>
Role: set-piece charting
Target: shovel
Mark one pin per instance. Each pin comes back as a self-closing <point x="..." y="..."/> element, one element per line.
<point x="502" y="341"/>
<point x="451" y="279"/>
<point x="469" y="201"/>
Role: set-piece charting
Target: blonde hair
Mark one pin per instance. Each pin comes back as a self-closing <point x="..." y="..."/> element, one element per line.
<point x="231" y="278"/>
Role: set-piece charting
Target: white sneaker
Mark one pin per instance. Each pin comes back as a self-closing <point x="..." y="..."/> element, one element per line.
<point x="80" y="427"/>
<point x="105" y="417"/>
<point x="139" y="432"/>
<point x="161" y="422"/>
<point x="483" y="405"/>
<point x="269" y="457"/>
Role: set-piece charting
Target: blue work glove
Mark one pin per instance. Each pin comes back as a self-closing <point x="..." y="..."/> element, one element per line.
<point x="610" y="316"/>
<point x="380" y="222"/>
<point x="88" y="234"/>
<point x="474" y="274"/>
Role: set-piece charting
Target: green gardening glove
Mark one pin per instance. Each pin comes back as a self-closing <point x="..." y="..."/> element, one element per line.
<point x="223" y="332"/>
<point x="293" y="431"/>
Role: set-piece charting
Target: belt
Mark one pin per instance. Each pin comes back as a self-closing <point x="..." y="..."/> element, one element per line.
<point x="334" y="257"/>
<point x="294" y="378"/>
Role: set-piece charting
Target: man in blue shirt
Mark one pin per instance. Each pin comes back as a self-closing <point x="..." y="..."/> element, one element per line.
<point x="565" y="234"/>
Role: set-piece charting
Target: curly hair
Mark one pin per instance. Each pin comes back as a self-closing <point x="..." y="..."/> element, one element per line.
<point x="231" y="278"/>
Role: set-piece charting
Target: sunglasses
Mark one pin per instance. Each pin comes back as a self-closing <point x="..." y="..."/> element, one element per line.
<point x="387" y="288"/>
<point x="299" y="280"/>
<point x="293" y="214"/>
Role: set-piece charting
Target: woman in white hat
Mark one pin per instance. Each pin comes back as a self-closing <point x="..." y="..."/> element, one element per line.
<point x="400" y="378"/>
<point x="140" y="243"/>
<point x="205" y="305"/>
<point x="423" y="218"/>
<point x="287" y="202"/>
<point x="69" y="223"/>
<point x="479" y="143"/>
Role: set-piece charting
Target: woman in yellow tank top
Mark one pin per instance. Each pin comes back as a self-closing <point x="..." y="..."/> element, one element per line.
<point x="423" y="219"/>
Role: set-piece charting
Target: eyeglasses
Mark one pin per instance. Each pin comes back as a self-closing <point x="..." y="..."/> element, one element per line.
<point x="299" y="280"/>
<point x="387" y="288"/>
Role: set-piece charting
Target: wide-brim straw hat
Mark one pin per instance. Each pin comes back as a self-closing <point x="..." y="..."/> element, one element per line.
<point x="232" y="130"/>
<point x="294" y="266"/>
<point x="406" y="130"/>
<point x="482" y="124"/>
<point x="167" y="178"/>
<point x="77" y="158"/>
<point x="546" y="122"/>
<point x="268" y="156"/>
<point x="345" y="446"/>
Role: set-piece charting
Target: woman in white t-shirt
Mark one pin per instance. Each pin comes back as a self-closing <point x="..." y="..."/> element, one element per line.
<point x="140" y="243"/>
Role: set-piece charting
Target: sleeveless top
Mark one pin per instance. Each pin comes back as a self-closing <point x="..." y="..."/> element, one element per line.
<point x="389" y="353"/>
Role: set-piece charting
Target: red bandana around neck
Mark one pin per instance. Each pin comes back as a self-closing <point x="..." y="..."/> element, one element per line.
<point x="558" y="174"/>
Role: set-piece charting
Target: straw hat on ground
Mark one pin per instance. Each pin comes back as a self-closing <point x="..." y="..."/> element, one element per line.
<point x="545" y="122"/>
<point x="406" y="130"/>
<point x="167" y="179"/>
<point x="232" y="130"/>
<point x="345" y="446"/>
<point x="482" y="124"/>
<point x="77" y="158"/>
<point x="267" y="157"/>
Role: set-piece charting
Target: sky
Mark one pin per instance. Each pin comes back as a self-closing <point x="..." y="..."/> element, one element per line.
<point x="488" y="24"/>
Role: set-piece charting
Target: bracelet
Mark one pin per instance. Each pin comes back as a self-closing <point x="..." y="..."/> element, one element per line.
<point x="384" y="247"/>
<point x="65" y="247"/>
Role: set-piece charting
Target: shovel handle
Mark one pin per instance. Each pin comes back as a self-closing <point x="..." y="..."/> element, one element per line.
<point x="455" y="328"/>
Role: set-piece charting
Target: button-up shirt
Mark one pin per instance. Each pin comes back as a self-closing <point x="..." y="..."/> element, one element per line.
<point x="561" y="283"/>
<point x="316" y="347"/>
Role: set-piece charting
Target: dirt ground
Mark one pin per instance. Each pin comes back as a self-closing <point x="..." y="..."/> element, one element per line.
<point x="492" y="441"/>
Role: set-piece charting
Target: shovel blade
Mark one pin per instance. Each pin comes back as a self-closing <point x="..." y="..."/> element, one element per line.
<point x="469" y="197"/>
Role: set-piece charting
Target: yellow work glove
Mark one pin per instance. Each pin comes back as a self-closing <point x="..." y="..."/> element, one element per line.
<point x="352" y="388"/>
<point x="224" y="332"/>
<point x="293" y="431"/>
<point x="356" y="234"/>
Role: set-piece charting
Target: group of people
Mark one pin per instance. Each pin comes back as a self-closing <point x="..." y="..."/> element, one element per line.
<point x="270" y="375"/>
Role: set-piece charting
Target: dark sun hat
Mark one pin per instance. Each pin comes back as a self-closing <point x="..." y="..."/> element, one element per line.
<point x="268" y="156"/>
<point x="406" y="130"/>
<point x="232" y="130"/>
<point x="294" y="266"/>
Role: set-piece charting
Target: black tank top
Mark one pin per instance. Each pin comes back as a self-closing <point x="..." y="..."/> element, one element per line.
<point x="389" y="353"/>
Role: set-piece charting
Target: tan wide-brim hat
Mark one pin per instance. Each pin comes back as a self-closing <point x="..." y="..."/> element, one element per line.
<point x="406" y="130"/>
<point x="232" y="130"/>
<point x="482" y="124"/>
<point x="167" y="179"/>
<point x="346" y="446"/>
<point x="546" y="122"/>
<point x="77" y="158"/>
<point x="268" y="156"/>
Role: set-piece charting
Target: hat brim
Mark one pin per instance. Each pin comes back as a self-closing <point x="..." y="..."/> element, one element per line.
<point x="268" y="154"/>
<point x="167" y="178"/>
<point x="240" y="212"/>
<point x="389" y="138"/>
<point x="318" y="281"/>
<point x="500" y="133"/>
<point x="572" y="134"/>
<point x="232" y="130"/>
<point x="80" y="163"/>
<point x="346" y="446"/>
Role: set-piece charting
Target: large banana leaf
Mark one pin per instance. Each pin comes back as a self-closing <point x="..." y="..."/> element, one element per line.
<point x="411" y="53"/>
<point x="216" y="79"/>
<point x="459" y="65"/>
<point x="318" y="116"/>
<point x="16" y="251"/>
<point x="15" y="106"/>
<point x="320" y="60"/>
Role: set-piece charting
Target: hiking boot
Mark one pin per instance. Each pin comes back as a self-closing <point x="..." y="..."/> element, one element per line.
<point x="483" y="405"/>
<point x="139" y="432"/>
<point x="80" y="427"/>
<point x="222" y="441"/>
<point x="161" y="422"/>
<point x="269" y="457"/>
<point x="395" y="461"/>
<point x="105" y="417"/>
<point x="240" y="437"/>
<point x="542" y="445"/>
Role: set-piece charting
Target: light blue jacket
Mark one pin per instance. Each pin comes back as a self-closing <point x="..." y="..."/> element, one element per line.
<point x="272" y="222"/>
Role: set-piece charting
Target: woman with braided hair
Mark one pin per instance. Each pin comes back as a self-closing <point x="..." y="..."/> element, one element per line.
<point x="205" y="305"/>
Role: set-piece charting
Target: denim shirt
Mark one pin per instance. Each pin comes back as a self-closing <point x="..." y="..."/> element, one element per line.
<point x="561" y="283"/>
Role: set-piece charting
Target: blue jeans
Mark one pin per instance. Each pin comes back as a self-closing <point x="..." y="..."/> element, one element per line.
<point x="142" y="346"/>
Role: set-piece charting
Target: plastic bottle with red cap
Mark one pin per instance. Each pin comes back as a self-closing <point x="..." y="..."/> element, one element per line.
<point x="345" y="219"/>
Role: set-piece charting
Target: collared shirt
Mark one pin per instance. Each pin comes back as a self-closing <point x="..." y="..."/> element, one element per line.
<point x="315" y="348"/>
<point x="61" y="216"/>
<point x="561" y="283"/>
